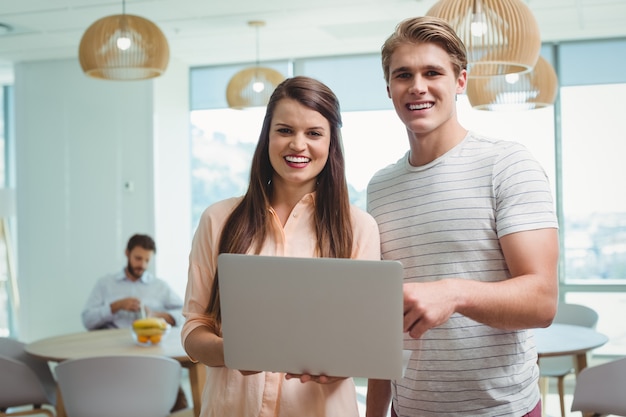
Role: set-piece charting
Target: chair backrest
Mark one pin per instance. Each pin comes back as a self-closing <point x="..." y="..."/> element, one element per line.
<point x="114" y="386"/>
<point x="25" y="379"/>
<point x="576" y="314"/>
<point x="600" y="389"/>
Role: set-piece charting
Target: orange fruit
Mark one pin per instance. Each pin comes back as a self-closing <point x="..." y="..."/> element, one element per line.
<point x="155" y="338"/>
<point x="143" y="339"/>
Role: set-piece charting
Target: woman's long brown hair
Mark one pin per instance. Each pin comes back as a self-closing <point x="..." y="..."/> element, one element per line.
<point x="246" y="228"/>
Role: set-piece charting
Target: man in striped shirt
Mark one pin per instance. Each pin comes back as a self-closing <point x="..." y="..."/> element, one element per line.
<point x="472" y="220"/>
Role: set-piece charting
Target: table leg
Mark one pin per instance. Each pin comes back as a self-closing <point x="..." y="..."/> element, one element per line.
<point x="196" y="380"/>
<point x="581" y="362"/>
<point x="60" y="407"/>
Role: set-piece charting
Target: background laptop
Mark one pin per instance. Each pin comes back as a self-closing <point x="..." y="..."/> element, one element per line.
<point x="337" y="317"/>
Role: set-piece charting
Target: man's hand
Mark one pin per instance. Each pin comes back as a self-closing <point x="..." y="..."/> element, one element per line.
<point x="162" y="314"/>
<point x="128" y="304"/>
<point x="246" y="373"/>
<point x="427" y="305"/>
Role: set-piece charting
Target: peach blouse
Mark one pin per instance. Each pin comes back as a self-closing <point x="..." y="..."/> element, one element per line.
<point x="227" y="392"/>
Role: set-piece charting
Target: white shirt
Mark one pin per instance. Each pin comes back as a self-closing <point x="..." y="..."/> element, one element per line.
<point x="153" y="292"/>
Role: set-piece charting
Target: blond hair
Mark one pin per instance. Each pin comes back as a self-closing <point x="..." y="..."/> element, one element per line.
<point x="425" y="29"/>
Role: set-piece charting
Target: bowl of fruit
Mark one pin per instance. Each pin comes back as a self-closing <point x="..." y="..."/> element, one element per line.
<point x="149" y="331"/>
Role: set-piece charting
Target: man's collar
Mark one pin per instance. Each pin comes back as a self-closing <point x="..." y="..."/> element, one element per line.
<point x="145" y="277"/>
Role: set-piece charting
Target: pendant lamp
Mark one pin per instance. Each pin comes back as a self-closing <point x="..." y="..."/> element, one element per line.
<point x="532" y="90"/>
<point x="501" y="36"/>
<point x="253" y="86"/>
<point x="123" y="47"/>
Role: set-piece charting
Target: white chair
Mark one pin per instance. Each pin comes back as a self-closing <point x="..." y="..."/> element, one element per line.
<point x="561" y="366"/>
<point x="26" y="383"/>
<point x="114" y="386"/>
<point x="600" y="389"/>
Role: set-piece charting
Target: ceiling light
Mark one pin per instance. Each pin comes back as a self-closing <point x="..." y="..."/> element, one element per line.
<point x="253" y="86"/>
<point x="533" y="90"/>
<point x="123" y="47"/>
<point x="501" y="36"/>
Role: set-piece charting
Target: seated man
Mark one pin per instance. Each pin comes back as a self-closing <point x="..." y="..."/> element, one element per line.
<point x="119" y="299"/>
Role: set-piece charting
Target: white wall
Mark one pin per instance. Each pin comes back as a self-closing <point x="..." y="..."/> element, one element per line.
<point x="79" y="141"/>
<point x="172" y="175"/>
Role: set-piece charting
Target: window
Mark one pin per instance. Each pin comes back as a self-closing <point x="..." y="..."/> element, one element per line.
<point x="216" y="133"/>
<point x="594" y="203"/>
<point x="372" y="140"/>
<point x="579" y="142"/>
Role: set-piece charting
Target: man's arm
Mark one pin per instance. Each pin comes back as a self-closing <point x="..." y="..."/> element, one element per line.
<point x="127" y="303"/>
<point x="96" y="312"/>
<point x="378" y="397"/>
<point x="527" y="300"/>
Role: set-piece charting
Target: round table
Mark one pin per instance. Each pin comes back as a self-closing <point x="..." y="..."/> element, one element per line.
<point x="568" y="339"/>
<point x="116" y="342"/>
<point x="105" y="342"/>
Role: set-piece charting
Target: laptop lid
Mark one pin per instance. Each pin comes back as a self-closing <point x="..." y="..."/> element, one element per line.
<point x="321" y="316"/>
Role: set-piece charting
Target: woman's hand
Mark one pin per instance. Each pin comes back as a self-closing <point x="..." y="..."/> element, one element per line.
<point x="246" y="373"/>
<point x="320" y="379"/>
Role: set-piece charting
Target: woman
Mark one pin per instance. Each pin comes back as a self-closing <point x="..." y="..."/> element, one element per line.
<point x="296" y="205"/>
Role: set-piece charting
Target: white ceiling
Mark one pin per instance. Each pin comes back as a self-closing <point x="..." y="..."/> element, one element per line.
<point x="204" y="32"/>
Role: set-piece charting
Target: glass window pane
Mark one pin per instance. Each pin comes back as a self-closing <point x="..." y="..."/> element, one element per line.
<point x="594" y="206"/>
<point x="357" y="80"/>
<point x="223" y="142"/>
<point x="371" y="140"/>
<point x="597" y="62"/>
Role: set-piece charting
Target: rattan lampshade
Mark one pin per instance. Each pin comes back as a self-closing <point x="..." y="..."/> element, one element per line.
<point x="532" y="90"/>
<point x="253" y="86"/>
<point x="123" y="47"/>
<point x="501" y="36"/>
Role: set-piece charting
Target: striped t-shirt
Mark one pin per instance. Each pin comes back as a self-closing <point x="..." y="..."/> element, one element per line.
<point x="444" y="220"/>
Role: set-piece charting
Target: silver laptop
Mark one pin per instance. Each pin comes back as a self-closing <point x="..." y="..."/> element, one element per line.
<point x="321" y="316"/>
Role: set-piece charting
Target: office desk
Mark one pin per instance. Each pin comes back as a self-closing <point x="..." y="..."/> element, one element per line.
<point x="116" y="342"/>
<point x="566" y="339"/>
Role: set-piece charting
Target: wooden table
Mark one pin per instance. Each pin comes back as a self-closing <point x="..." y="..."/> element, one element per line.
<point x="116" y="342"/>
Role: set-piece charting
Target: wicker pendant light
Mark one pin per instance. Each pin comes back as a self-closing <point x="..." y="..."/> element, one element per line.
<point x="123" y="47"/>
<point x="501" y="36"/>
<point x="253" y="86"/>
<point x="531" y="90"/>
